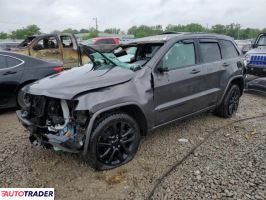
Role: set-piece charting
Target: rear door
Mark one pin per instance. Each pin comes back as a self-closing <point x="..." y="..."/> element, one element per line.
<point x="232" y="61"/>
<point x="177" y="92"/>
<point x="211" y="61"/>
<point x="11" y="70"/>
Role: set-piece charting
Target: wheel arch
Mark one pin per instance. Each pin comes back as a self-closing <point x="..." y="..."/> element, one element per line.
<point x="25" y="83"/>
<point x="131" y="109"/>
<point x="21" y="86"/>
<point x="240" y="82"/>
<point x="237" y="80"/>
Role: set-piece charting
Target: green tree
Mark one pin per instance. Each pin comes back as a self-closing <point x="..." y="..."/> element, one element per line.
<point x="218" y="28"/>
<point x="70" y="30"/>
<point x="193" y="27"/>
<point x="83" y="30"/>
<point x="25" y="32"/>
<point x="92" y="34"/>
<point x="112" y="30"/>
<point x="3" y="35"/>
<point x="143" y="30"/>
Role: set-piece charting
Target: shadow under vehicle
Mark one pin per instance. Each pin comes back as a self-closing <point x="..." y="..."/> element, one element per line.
<point x="102" y="111"/>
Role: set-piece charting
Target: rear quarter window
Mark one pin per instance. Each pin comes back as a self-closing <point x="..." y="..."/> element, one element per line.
<point x="209" y="51"/>
<point x="105" y="41"/>
<point x="3" y="63"/>
<point x="12" y="62"/>
<point x="228" y="49"/>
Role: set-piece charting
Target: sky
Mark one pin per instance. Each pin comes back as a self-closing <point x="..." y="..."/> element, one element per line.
<point x="52" y="15"/>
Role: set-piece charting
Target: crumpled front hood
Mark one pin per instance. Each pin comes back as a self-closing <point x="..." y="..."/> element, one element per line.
<point x="69" y="83"/>
<point x="259" y="50"/>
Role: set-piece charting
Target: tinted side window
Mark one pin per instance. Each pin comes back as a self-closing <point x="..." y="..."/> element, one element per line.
<point x="228" y="49"/>
<point x="46" y="43"/>
<point x="110" y="41"/>
<point x="180" y="55"/>
<point x="105" y="41"/>
<point x="210" y="51"/>
<point x="3" y="63"/>
<point x="12" y="62"/>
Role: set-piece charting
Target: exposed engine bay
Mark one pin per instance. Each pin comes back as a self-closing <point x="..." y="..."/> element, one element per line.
<point x="55" y="124"/>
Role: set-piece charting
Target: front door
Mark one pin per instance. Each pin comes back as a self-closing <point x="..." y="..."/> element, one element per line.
<point x="70" y="51"/>
<point x="11" y="70"/>
<point x="177" y="91"/>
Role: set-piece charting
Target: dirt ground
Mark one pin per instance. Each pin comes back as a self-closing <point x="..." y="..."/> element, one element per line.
<point x="22" y="165"/>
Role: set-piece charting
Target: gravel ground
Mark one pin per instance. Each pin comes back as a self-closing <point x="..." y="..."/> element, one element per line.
<point x="230" y="164"/>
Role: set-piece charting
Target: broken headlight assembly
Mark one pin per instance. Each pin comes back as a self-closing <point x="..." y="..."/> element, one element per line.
<point x="58" y="124"/>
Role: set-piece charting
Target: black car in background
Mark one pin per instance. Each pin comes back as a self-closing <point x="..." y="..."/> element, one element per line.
<point x="17" y="71"/>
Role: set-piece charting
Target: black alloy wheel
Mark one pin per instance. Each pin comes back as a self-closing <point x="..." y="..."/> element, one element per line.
<point x="114" y="141"/>
<point x="233" y="101"/>
<point x="230" y="103"/>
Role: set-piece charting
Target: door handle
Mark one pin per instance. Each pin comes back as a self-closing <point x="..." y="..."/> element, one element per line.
<point x="226" y="64"/>
<point x="195" y="71"/>
<point x="9" y="72"/>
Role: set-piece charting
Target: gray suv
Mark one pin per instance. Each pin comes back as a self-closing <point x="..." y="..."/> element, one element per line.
<point x="101" y="110"/>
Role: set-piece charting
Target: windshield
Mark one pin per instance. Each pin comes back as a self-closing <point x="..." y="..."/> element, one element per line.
<point x="132" y="57"/>
<point x="107" y="60"/>
<point x="137" y="53"/>
<point x="262" y="41"/>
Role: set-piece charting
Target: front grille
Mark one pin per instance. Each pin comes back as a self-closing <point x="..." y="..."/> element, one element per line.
<point x="258" y="60"/>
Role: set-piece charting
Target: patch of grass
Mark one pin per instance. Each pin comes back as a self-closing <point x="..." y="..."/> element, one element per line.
<point x="115" y="178"/>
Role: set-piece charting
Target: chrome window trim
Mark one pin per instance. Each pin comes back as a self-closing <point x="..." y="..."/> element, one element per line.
<point x="21" y="62"/>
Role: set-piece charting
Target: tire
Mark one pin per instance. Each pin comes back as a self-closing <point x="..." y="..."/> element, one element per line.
<point x="114" y="141"/>
<point x="230" y="103"/>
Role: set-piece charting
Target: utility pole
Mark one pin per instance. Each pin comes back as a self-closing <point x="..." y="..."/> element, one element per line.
<point x="238" y="32"/>
<point x="96" y="23"/>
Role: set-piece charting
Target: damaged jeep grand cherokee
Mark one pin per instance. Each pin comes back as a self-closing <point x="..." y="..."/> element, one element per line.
<point x="102" y="110"/>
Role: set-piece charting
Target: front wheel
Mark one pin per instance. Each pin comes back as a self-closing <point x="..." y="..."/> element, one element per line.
<point x="230" y="103"/>
<point x="114" y="141"/>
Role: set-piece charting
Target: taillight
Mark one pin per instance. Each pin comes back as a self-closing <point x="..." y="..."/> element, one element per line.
<point x="58" y="69"/>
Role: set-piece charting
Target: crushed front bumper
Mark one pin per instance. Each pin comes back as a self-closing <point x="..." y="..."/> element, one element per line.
<point x="40" y="136"/>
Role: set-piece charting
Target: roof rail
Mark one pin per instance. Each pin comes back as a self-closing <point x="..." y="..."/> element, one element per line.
<point x="173" y="32"/>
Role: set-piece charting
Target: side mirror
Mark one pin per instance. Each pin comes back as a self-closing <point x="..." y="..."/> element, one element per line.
<point x="254" y="46"/>
<point x="162" y="69"/>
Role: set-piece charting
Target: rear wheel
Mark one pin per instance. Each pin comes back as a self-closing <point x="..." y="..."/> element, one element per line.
<point x="114" y="141"/>
<point x="230" y="103"/>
